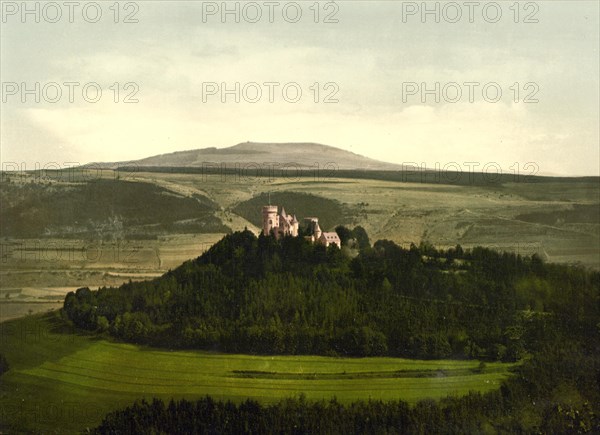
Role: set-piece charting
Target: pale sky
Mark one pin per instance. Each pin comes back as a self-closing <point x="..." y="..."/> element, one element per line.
<point x="369" y="55"/>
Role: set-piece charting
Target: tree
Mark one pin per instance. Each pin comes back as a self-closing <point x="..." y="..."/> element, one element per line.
<point x="361" y="237"/>
<point x="345" y="234"/>
<point x="103" y="324"/>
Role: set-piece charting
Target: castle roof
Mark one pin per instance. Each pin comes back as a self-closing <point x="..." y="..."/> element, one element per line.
<point x="294" y="220"/>
<point x="283" y="213"/>
<point x="331" y="236"/>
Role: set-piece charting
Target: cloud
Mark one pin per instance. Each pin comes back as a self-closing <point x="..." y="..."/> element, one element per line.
<point x="368" y="55"/>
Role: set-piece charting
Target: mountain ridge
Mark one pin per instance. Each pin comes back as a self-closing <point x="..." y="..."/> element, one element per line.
<point x="303" y="154"/>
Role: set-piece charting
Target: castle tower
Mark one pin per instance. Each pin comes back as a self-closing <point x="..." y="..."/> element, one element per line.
<point x="295" y="224"/>
<point x="270" y="219"/>
<point x="317" y="232"/>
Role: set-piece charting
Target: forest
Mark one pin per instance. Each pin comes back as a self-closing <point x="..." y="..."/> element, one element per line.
<point x="267" y="296"/>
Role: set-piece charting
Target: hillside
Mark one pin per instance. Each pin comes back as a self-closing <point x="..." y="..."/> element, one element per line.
<point x="290" y="154"/>
<point x="102" y="208"/>
<point x="329" y="211"/>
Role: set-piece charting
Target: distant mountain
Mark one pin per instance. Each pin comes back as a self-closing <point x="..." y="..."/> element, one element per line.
<point x="292" y="154"/>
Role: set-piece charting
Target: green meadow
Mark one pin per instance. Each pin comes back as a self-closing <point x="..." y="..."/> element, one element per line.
<point x="60" y="379"/>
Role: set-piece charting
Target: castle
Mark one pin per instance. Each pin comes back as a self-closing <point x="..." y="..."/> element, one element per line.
<point x="282" y="224"/>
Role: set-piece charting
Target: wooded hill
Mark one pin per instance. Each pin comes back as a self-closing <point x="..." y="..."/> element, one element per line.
<point x="260" y="295"/>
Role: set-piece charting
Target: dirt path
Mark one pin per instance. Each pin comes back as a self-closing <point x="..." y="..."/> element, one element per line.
<point x="535" y="224"/>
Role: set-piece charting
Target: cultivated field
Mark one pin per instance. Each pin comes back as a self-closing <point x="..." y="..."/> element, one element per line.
<point x="59" y="378"/>
<point x="564" y="227"/>
<point x="36" y="274"/>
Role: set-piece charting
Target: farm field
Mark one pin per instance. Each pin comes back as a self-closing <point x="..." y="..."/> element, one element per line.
<point x="558" y="220"/>
<point x="59" y="378"/>
<point x="36" y="274"/>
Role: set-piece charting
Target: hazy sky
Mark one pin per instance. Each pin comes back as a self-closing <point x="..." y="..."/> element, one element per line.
<point x="371" y="58"/>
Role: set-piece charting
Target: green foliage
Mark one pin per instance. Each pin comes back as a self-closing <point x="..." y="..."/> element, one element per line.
<point x="267" y="296"/>
<point x="358" y="236"/>
<point x="361" y="237"/>
<point x="345" y="234"/>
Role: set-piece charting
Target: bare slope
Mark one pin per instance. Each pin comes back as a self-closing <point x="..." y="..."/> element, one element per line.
<point x="248" y="153"/>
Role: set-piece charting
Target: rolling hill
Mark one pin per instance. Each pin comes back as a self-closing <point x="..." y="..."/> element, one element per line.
<point x="289" y="154"/>
<point x="102" y="208"/>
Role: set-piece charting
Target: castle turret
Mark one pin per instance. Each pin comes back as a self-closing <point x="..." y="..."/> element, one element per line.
<point x="270" y="218"/>
<point x="317" y="232"/>
<point x="295" y="224"/>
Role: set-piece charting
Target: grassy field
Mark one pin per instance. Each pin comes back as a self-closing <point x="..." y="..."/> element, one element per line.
<point x="61" y="381"/>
